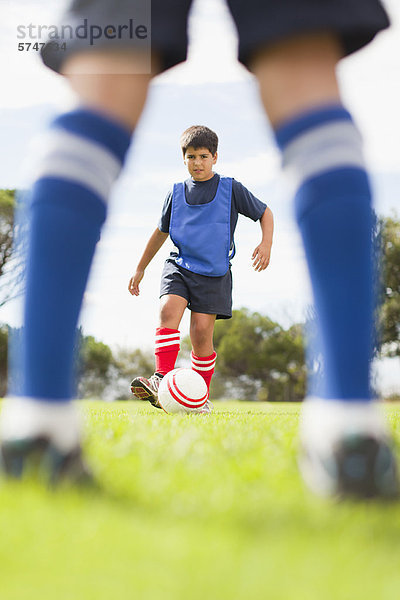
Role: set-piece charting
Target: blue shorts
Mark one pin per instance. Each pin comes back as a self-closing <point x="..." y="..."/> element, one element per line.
<point x="259" y="23"/>
<point x="209" y="295"/>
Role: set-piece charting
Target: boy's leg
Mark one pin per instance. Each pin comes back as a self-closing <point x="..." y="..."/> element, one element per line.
<point x="167" y="345"/>
<point x="203" y="355"/>
<point x="84" y="152"/>
<point x="321" y="147"/>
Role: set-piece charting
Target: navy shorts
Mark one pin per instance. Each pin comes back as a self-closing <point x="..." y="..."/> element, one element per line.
<point x="209" y="295"/>
<point x="259" y="24"/>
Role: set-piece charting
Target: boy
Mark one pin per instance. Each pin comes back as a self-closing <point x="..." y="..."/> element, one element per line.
<point x="200" y="215"/>
<point x="293" y="48"/>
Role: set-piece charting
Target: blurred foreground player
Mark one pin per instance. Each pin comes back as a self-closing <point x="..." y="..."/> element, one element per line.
<point x="293" y="48"/>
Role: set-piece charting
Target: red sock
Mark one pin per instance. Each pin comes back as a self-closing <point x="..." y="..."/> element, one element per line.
<point x="166" y="349"/>
<point x="204" y="366"/>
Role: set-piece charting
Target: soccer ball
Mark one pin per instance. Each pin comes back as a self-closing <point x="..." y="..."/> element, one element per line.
<point x="182" y="391"/>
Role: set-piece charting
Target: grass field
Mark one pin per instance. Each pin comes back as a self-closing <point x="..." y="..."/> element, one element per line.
<point x="195" y="507"/>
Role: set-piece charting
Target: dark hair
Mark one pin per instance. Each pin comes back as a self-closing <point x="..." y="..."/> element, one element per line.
<point x="199" y="136"/>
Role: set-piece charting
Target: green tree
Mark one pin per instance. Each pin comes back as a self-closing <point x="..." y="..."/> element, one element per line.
<point x="127" y="364"/>
<point x="13" y="237"/>
<point x="95" y="361"/>
<point x="7" y="206"/>
<point x="259" y="358"/>
<point x="389" y="310"/>
<point x="3" y="359"/>
<point x="106" y="375"/>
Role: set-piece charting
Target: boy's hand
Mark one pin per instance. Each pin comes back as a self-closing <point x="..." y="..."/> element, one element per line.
<point x="134" y="283"/>
<point x="261" y="256"/>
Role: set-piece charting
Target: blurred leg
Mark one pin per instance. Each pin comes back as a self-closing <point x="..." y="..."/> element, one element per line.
<point x="83" y="154"/>
<point x="120" y="96"/>
<point x="321" y="148"/>
<point x="297" y="75"/>
<point x="344" y="443"/>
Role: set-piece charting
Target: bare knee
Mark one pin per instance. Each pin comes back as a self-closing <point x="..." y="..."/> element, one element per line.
<point x="172" y="308"/>
<point x="298" y="74"/>
<point x="167" y="317"/>
<point x="110" y="83"/>
<point x="201" y="335"/>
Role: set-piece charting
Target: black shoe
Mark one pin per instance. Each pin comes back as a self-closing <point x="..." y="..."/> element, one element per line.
<point x="366" y="468"/>
<point x="42" y="440"/>
<point x="346" y="451"/>
<point x="38" y="458"/>
<point x="359" y="467"/>
<point x="147" y="389"/>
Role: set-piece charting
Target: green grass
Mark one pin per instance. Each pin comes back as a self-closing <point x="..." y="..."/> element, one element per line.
<point x="195" y="507"/>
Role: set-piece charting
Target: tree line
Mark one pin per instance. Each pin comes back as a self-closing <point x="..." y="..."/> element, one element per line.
<point x="269" y="366"/>
<point x="258" y="359"/>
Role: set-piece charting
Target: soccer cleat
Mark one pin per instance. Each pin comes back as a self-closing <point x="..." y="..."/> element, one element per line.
<point x="38" y="457"/>
<point x="147" y="389"/>
<point x="345" y="450"/>
<point x="42" y="440"/>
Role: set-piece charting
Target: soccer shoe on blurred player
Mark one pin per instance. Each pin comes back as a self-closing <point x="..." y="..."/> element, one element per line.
<point x="43" y="439"/>
<point x="147" y="389"/>
<point x="345" y="450"/>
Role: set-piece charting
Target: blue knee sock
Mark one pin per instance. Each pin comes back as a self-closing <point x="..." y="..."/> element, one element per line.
<point x="323" y="151"/>
<point x="85" y="153"/>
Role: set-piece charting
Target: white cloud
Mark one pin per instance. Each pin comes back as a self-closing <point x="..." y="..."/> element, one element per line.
<point x="259" y="169"/>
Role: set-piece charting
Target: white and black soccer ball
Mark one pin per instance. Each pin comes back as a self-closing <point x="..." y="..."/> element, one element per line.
<point x="182" y="391"/>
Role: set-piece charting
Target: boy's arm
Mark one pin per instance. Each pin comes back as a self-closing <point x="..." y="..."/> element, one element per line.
<point x="262" y="253"/>
<point x="153" y="245"/>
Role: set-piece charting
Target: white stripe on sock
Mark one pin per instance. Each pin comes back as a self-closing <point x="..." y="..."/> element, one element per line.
<point x="198" y="364"/>
<point x="324" y="148"/>
<point x="163" y="344"/>
<point x="69" y="156"/>
<point x="198" y="368"/>
<point x="167" y="336"/>
<point x="203" y="362"/>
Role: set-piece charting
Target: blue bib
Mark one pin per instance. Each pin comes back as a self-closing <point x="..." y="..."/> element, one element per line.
<point x="202" y="232"/>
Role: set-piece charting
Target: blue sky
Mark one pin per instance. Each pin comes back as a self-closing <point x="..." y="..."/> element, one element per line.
<point x="211" y="89"/>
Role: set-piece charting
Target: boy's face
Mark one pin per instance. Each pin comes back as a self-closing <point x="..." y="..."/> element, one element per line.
<point x="200" y="162"/>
